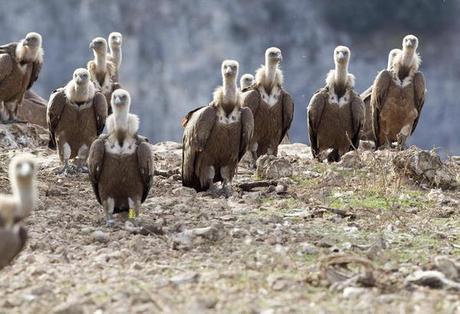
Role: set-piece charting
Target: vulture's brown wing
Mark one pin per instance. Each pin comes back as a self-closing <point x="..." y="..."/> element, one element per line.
<point x="6" y="65"/>
<point x="378" y="96"/>
<point x="54" y="111"/>
<point x="357" y="118"/>
<point x="189" y="115"/>
<point x="252" y="100"/>
<point x="95" y="164"/>
<point x="288" y="114"/>
<point x="314" y="115"/>
<point x="366" y="94"/>
<point x="196" y="134"/>
<point x="100" y="111"/>
<point x="247" y="129"/>
<point x="11" y="244"/>
<point x="36" y="68"/>
<point x="419" y="94"/>
<point x="145" y="160"/>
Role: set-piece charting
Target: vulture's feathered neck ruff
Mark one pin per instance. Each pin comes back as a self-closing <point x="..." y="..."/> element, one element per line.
<point x="339" y="81"/>
<point x="391" y="58"/>
<point x="269" y="76"/>
<point x="79" y="93"/>
<point x="28" y="54"/>
<point x="22" y="180"/>
<point x="121" y="123"/>
<point x="227" y="97"/>
<point x="406" y="64"/>
<point x="408" y="61"/>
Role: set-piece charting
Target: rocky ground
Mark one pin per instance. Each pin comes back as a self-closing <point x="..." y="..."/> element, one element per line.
<point x="372" y="234"/>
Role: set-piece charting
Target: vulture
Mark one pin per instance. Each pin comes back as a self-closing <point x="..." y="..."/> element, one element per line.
<point x="20" y="65"/>
<point x="102" y="72"/>
<point x="367" y="133"/>
<point x="335" y="113"/>
<point x="15" y="207"/>
<point x="76" y="115"/>
<point x="216" y="137"/>
<point x="271" y="106"/>
<point x="121" y="163"/>
<point x="246" y="81"/>
<point x="115" y="42"/>
<point x="398" y="96"/>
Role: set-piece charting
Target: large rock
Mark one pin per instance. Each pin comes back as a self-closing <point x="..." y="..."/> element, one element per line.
<point x="299" y="150"/>
<point x="33" y="109"/>
<point x="272" y="167"/>
<point x="424" y="167"/>
<point x="19" y="135"/>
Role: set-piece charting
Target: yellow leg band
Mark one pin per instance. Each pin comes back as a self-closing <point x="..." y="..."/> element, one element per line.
<point x="132" y="213"/>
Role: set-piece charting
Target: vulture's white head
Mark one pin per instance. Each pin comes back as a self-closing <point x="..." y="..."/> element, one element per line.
<point x="341" y="55"/>
<point x="273" y="56"/>
<point x="230" y="69"/>
<point x="22" y="170"/>
<point x="31" y="47"/>
<point x="410" y="43"/>
<point x="81" y="77"/>
<point x="98" y="45"/>
<point x="33" y="40"/>
<point x="115" y="39"/>
<point x="121" y="102"/>
<point x="246" y="80"/>
<point x="392" y="56"/>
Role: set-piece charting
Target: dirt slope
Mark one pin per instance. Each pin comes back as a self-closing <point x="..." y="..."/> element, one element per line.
<point x="261" y="251"/>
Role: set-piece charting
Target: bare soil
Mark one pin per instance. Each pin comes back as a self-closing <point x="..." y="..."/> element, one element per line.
<point x="260" y="251"/>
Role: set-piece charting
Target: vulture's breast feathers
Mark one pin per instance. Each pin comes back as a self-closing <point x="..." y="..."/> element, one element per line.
<point x="333" y="98"/>
<point x="410" y="69"/>
<point x="105" y="85"/>
<point x="77" y="99"/>
<point x="227" y="113"/>
<point x="122" y="141"/>
<point x="272" y="97"/>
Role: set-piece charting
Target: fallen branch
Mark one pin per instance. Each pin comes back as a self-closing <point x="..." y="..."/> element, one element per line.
<point x="166" y="173"/>
<point x="248" y="186"/>
<point x="337" y="211"/>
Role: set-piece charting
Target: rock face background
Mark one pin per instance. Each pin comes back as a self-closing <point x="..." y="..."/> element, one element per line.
<point x="173" y="51"/>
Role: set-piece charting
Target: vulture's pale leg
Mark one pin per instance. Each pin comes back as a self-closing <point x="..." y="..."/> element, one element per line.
<point x="212" y="190"/>
<point x="81" y="159"/>
<point x="133" y="222"/>
<point x="4" y="116"/>
<point x="227" y="181"/>
<point x="387" y="144"/>
<point x="12" y="108"/>
<point x="109" y="207"/>
<point x="66" y="152"/>
<point x="402" y="136"/>
<point x="253" y="163"/>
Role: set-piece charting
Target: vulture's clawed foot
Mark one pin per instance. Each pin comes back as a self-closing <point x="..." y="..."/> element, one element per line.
<point x="110" y="223"/>
<point x="82" y="169"/>
<point x="213" y="191"/>
<point x="227" y="191"/>
<point x="133" y="225"/>
<point x="68" y="171"/>
<point x="13" y="121"/>
<point x="401" y="144"/>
